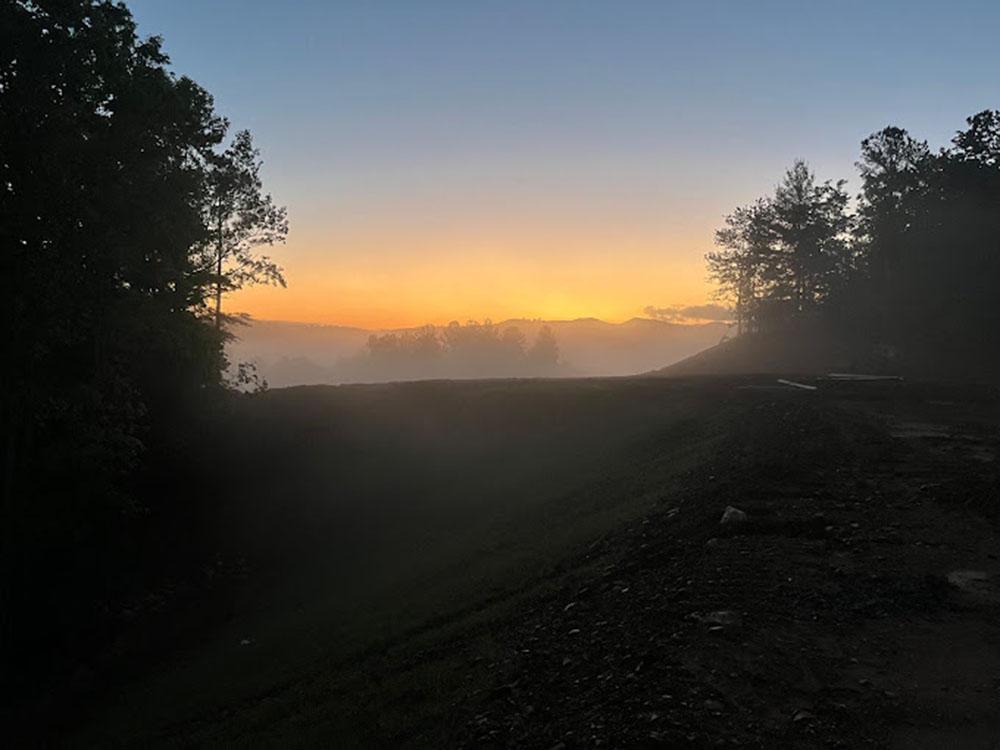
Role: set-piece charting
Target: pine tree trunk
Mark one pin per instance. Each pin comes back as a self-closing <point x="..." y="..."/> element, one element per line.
<point x="218" y="281"/>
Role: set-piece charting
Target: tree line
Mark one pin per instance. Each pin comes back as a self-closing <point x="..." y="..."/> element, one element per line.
<point x="455" y="351"/>
<point x="910" y="266"/>
<point x="126" y="215"/>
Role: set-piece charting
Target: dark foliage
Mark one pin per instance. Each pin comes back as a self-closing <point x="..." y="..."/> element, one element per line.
<point x="240" y="217"/>
<point x="912" y="273"/>
<point x="782" y="256"/>
<point x="106" y="169"/>
<point x="475" y="350"/>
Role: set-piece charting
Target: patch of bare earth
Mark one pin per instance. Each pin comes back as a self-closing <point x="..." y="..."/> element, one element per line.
<point x="831" y="617"/>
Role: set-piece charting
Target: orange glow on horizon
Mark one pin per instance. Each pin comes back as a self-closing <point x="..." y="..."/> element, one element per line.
<point x="403" y="277"/>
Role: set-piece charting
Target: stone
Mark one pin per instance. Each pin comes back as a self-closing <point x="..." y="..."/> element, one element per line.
<point x="978" y="584"/>
<point x="733" y="517"/>
<point x="723" y="618"/>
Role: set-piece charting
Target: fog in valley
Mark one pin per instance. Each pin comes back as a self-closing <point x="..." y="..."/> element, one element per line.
<point x="288" y="354"/>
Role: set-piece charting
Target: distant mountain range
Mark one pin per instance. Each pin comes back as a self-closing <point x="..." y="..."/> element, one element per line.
<point x="289" y="354"/>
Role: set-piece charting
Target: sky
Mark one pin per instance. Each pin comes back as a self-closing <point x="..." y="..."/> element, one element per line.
<point x="475" y="159"/>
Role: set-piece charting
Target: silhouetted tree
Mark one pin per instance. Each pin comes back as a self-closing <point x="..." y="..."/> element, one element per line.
<point x="930" y="232"/>
<point x="108" y="170"/>
<point x="784" y="254"/>
<point x="403" y="355"/>
<point x="810" y="225"/>
<point x="480" y="348"/>
<point x="456" y="350"/>
<point x="894" y="171"/>
<point x="240" y="218"/>
<point x="544" y="352"/>
<point x="980" y="142"/>
<point x="916" y="269"/>
<point x="741" y="268"/>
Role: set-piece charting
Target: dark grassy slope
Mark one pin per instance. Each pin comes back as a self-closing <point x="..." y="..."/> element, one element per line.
<point x="366" y="514"/>
<point x="812" y="349"/>
<point x="528" y="563"/>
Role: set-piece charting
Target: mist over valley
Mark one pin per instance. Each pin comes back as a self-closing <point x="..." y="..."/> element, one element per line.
<point x="289" y="354"/>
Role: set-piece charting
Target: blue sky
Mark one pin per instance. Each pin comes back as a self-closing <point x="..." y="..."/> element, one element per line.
<point x="463" y="146"/>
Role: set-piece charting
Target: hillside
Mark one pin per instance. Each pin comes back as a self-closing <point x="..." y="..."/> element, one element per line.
<point x="594" y="347"/>
<point x="814" y="350"/>
<point x="536" y="563"/>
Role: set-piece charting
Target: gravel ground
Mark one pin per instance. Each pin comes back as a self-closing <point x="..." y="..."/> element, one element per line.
<point x="840" y="612"/>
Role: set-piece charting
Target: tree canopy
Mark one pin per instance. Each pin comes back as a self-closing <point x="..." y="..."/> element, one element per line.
<point x="240" y="217"/>
<point x="110" y="171"/>
<point x="913" y="268"/>
<point x="457" y="351"/>
<point x="782" y="254"/>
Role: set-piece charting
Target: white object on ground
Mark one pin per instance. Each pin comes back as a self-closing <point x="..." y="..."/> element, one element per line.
<point x="792" y="383"/>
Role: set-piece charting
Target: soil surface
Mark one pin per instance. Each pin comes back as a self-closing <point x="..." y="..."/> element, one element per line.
<point x="569" y="582"/>
<point x="855" y="605"/>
